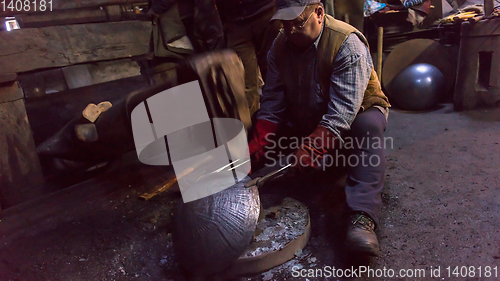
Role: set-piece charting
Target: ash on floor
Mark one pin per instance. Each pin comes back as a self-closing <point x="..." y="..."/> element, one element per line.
<point x="281" y="225"/>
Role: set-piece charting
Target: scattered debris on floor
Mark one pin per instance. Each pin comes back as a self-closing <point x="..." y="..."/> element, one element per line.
<point x="439" y="209"/>
<point x="279" y="227"/>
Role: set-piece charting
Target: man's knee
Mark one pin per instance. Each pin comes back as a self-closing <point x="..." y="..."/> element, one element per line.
<point x="369" y="123"/>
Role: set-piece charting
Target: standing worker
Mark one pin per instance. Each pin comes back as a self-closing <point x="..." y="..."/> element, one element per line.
<point x="250" y="34"/>
<point x="180" y="29"/>
<point x="321" y="84"/>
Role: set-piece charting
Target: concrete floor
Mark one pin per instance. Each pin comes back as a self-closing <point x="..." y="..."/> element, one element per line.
<point x="442" y="191"/>
<point x="441" y="209"/>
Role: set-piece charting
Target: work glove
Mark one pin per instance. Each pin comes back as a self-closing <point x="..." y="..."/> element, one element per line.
<point x="309" y="156"/>
<point x="260" y="139"/>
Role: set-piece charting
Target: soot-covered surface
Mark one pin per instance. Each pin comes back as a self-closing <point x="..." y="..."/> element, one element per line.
<point x="440" y="208"/>
<point x="280" y="226"/>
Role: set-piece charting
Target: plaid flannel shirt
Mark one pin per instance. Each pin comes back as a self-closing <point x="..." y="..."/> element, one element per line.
<point x="350" y="75"/>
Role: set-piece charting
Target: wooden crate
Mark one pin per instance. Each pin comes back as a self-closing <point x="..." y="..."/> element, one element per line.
<point x="477" y="83"/>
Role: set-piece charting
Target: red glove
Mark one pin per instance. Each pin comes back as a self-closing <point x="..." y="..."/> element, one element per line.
<point x="313" y="149"/>
<point x="260" y="138"/>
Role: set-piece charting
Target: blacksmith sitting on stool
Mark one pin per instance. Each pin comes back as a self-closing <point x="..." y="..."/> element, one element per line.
<point x="321" y="83"/>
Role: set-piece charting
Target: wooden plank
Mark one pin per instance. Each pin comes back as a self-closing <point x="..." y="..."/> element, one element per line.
<point x="113" y="70"/>
<point x="20" y="170"/>
<point x="58" y="5"/>
<point x="8" y="77"/>
<point x="83" y="15"/>
<point x="62" y="18"/>
<point x="484" y="28"/>
<point x="40" y="83"/>
<point x="36" y="48"/>
<point x="10" y="91"/>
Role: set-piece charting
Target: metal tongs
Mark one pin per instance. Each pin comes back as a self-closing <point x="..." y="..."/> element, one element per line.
<point x="259" y="181"/>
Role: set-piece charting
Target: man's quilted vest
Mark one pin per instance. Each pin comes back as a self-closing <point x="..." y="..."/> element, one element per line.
<point x="334" y="34"/>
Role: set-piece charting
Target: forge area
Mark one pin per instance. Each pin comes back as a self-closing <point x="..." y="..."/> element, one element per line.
<point x="441" y="208"/>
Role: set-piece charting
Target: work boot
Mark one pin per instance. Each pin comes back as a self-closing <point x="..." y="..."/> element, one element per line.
<point x="361" y="237"/>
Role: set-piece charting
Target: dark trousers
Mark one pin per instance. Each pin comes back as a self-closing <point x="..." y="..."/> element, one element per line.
<point x="362" y="157"/>
<point x="251" y="39"/>
<point x="365" y="182"/>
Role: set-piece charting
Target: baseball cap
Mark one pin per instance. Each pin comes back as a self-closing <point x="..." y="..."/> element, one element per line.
<point x="291" y="9"/>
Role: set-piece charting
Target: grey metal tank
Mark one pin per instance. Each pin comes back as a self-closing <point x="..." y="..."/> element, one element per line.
<point x="418" y="87"/>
